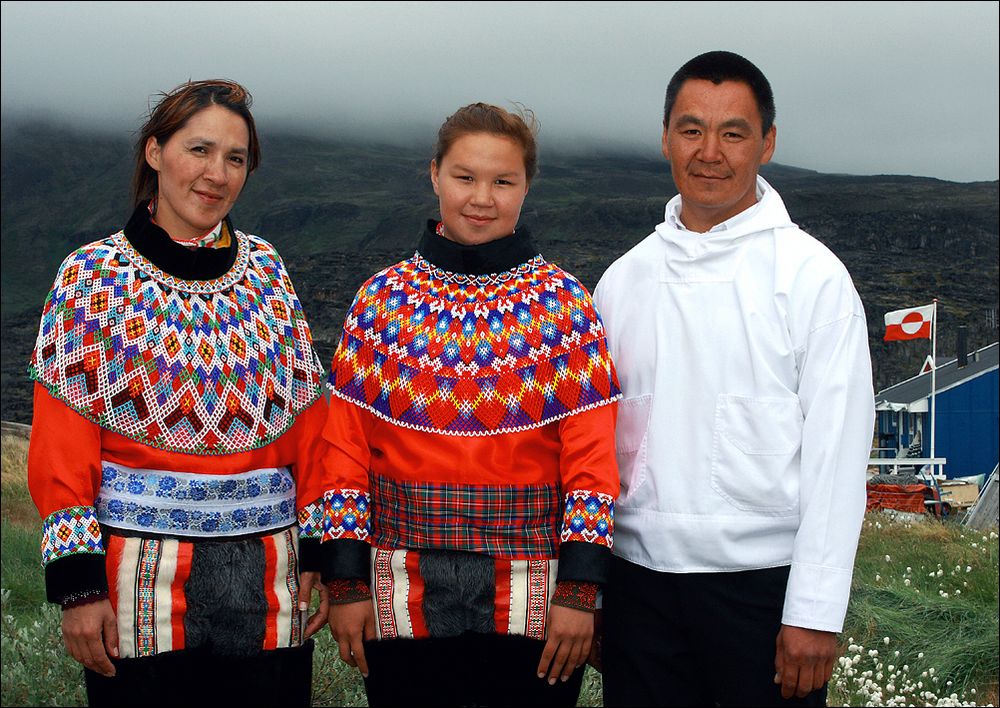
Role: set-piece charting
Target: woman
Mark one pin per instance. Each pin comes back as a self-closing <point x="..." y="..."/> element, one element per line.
<point x="173" y="454"/>
<point x="471" y="444"/>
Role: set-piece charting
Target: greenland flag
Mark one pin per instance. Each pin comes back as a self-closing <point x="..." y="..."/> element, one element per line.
<point x="914" y="323"/>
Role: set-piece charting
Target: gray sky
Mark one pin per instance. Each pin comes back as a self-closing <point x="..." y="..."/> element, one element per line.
<point x="861" y="88"/>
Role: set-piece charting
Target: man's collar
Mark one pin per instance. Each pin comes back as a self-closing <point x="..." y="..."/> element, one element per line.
<point x="673" y="211"/>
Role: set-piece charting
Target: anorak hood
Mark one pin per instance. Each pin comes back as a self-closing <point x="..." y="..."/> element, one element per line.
<point x="687" y="247"/>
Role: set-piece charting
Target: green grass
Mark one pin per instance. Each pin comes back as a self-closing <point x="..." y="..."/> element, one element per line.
<point x="22" y="574"/>
<point x="36" y="668"/>
<point x="930" y="588"/>
<point x="922" y="623"/>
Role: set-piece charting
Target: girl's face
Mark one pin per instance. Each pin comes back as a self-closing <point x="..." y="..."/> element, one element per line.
<point x="481" y="184"/>
<point x="201" y="170"/>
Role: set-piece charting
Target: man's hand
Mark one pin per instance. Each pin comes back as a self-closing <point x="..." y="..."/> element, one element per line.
<point x="350" y="623"/>
<point x="804" y="660"/>
<point x="307" y="583"/>
<point x="90" y="633"/>
<point x="569" y="638"/>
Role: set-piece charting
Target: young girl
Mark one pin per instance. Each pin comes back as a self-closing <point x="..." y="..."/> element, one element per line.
<point x="471" y="449"/>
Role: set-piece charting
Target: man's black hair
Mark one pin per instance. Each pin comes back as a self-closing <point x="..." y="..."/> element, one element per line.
<point x="718" y="67"/>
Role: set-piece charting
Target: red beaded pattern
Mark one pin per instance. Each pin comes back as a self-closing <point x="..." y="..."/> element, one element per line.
<point x="473" y="355"/>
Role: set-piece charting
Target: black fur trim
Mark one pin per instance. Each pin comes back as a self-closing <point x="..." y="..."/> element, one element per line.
<point x="226" y="605"/>
<point x="585" y="562"/>
<point x="345" y="558"/>
<point x="75" y="575"/>
<point x="310" y="560"/>
<point x="459" y="592"/>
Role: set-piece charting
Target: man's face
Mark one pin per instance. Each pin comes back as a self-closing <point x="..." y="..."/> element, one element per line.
<point x="715" y="148"/>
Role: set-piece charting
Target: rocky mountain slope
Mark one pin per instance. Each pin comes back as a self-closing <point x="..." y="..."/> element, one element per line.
<point x="338" y="212"/>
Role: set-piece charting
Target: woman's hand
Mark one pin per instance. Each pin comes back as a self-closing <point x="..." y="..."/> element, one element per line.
<point x="350" y="623"/>
<point x="569" y="638"/>
<point x="90" y="633"/>
<point x="307" y="583"/>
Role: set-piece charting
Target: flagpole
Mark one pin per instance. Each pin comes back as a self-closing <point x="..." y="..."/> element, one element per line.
<point x="933" y="375"/>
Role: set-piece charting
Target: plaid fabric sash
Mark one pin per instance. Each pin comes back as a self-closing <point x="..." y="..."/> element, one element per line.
<point x="502" y="521"/>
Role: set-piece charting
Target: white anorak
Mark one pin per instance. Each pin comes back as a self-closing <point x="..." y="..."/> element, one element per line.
<point x="747" y="418"/>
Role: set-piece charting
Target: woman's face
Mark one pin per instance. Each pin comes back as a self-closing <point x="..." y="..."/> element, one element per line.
<point x="201" y="170"/>
<point x="481" y="185"/>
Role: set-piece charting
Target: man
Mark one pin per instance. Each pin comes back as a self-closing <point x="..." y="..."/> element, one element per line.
<point x="745" y="427"/>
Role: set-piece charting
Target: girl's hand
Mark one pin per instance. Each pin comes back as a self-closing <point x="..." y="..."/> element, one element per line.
<point x="570" y="633"/>
<point x="350" y="624"/>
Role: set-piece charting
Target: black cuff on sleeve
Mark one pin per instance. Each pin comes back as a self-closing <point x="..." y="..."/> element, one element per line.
<point x="344" y="559"/>
<point x="77" y="574"/>
<point x="310" y="560"/>
<point x="584" y="562"/>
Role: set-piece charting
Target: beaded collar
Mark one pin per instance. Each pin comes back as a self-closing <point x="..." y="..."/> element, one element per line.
<point x="214" y="364"/>
<point x="433" y="348"/>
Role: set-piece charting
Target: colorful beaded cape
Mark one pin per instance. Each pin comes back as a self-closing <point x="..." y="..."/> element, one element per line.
<point x="473" y="355"/>
<point x="197" y="366"/>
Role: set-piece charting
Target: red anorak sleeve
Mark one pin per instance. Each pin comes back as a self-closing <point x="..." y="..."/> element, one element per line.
<point x="307" y="466"/>
<point x="306" y="453"/>
<point x="64" y="475"/>
<point x="64" y="456"/>
<point x="587" y="458"/>
<point x="589" y="478"/>
<point x="347" y="507"/>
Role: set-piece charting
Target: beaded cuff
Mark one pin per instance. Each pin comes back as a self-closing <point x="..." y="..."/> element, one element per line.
<point x="348" y="590"/>
<point x="576" y="595"/>
<point x="70" y="531"/>
<point x="347" y="515"/>
<point x="311" y="520"/>
<point x="589" y="517"/>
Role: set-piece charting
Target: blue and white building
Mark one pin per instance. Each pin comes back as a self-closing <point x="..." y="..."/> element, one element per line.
<point x="967" y="415"/>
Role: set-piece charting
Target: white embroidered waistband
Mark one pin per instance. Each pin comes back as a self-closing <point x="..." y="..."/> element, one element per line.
<point x="188" y="504"/>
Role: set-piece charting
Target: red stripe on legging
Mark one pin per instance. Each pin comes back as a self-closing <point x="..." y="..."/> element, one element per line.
<point x="112" y="562"/>
<point x="271" y="564"/>
<point x="178" y="599"/>
<point x="501" y="602"/>
<point x="415" y="596"/>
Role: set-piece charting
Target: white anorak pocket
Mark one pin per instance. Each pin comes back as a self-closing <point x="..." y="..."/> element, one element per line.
<point x="631" y="438"/>
<point x="755" y="453"/>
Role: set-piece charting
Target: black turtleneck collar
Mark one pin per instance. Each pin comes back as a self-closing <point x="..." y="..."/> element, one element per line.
<point x="179" y="261"/>
<point x="483" y="259"/>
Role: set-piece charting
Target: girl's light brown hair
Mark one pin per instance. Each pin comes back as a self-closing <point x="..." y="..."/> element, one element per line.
<point x="174" y="110"/>
<point x="522" y="127"/>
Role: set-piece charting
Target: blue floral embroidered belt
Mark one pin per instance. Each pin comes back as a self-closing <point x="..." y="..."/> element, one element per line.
<point x="187" y="504"/>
